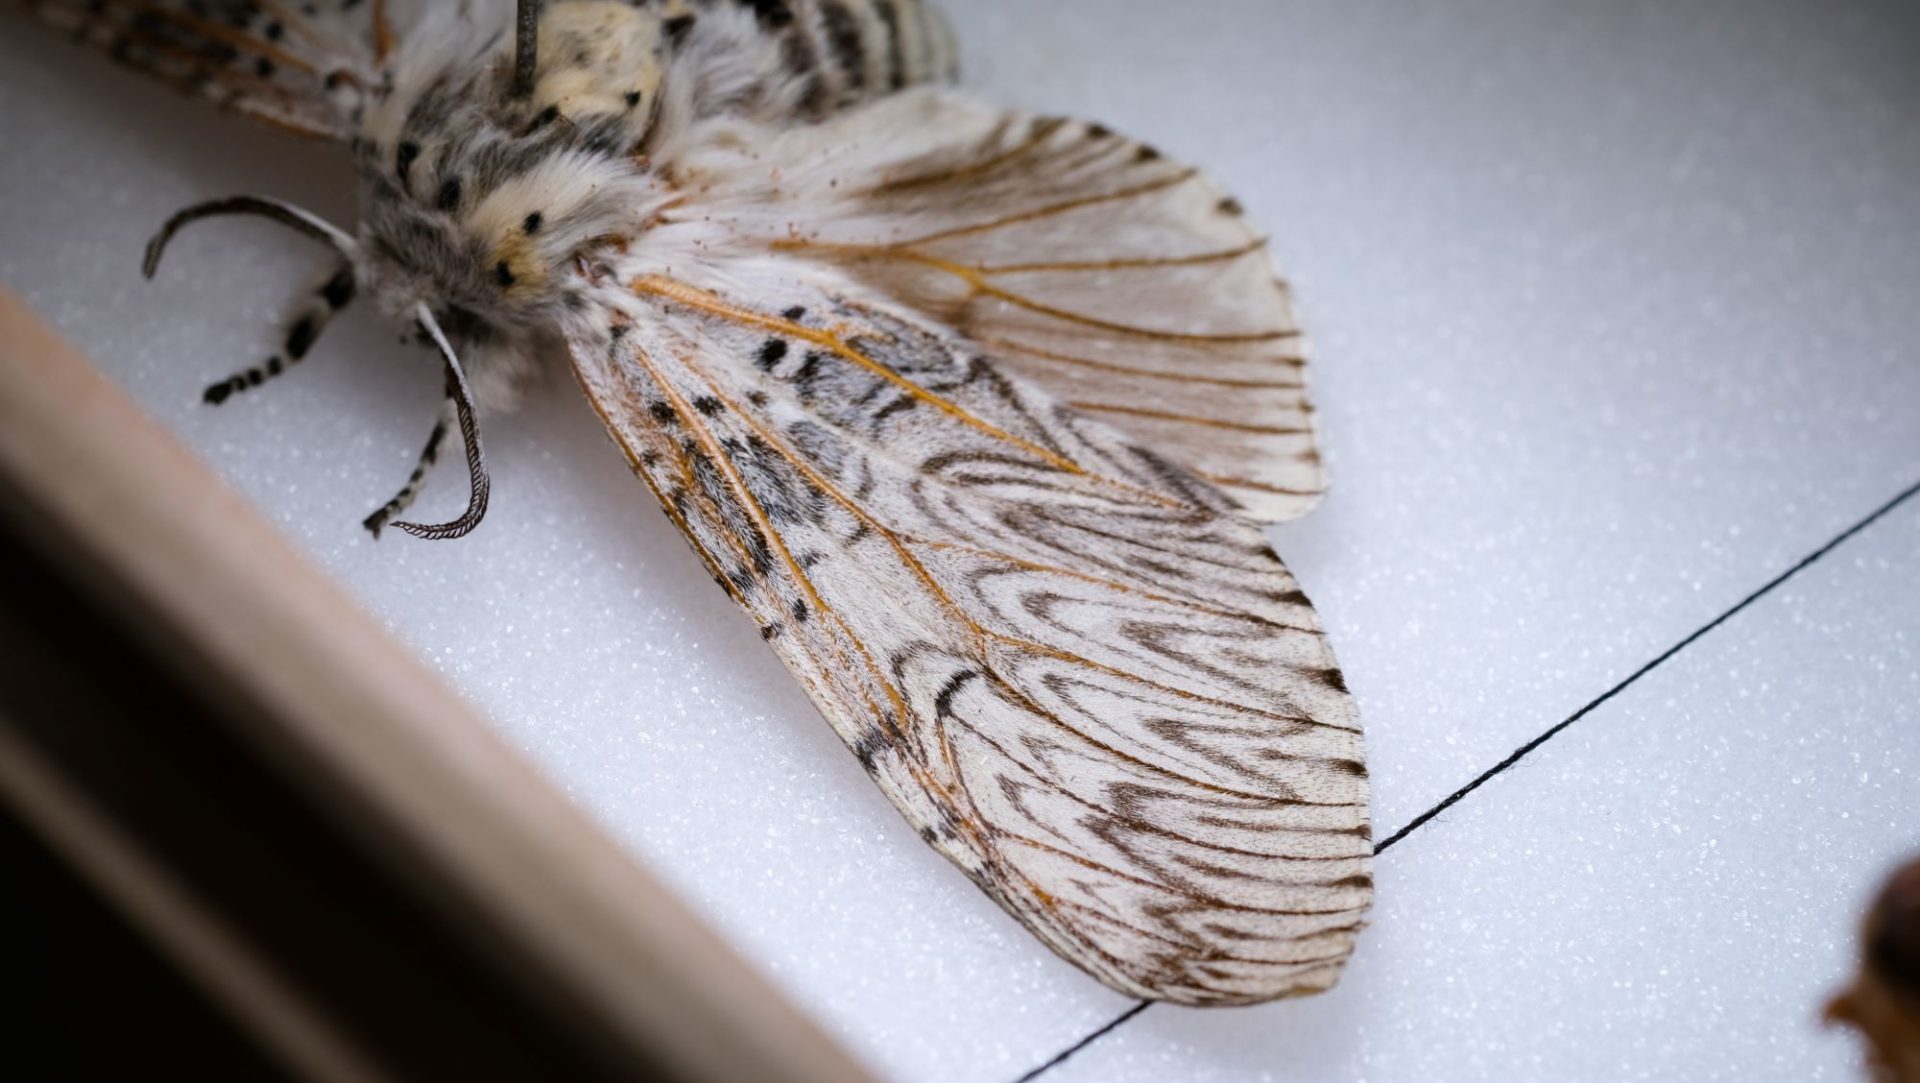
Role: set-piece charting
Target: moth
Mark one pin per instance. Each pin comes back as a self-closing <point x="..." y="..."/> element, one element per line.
<point x="978" y="414"/>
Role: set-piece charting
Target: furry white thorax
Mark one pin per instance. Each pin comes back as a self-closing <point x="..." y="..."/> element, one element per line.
<point x="483" y="206"/>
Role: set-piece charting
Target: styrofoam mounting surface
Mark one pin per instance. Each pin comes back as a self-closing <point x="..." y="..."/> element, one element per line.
<point x="1612" y="313"/>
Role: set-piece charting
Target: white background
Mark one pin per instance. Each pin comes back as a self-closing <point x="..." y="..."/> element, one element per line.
<point x="1615" y="315"/>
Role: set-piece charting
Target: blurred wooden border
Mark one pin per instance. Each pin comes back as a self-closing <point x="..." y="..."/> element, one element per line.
<point x="399" y="782"/>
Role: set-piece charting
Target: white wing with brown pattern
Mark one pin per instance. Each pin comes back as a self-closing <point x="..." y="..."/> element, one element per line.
<point x="1074" y="669"/>
<point x="1119" y="280"/>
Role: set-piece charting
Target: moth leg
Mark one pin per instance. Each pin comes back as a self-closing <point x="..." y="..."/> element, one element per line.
<point x="333" y="293"/>
<point x="416" y="481"/>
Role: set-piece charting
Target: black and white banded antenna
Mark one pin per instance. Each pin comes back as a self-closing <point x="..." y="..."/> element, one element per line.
<point x="461" y="395"/>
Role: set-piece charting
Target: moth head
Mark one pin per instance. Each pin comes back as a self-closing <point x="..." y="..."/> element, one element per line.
<point x="488" y="176"/>
<point x="493" y="228"/>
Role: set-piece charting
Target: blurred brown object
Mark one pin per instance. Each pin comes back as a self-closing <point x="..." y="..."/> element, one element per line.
<point x="1884" y="1001"/>
<point x="306" y="823"/>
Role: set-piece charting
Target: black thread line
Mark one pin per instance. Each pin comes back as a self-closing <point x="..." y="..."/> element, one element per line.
<point x="1521" y="753"/>
<point x="1061" y="1057"/>
<point x="1665" y="656"/>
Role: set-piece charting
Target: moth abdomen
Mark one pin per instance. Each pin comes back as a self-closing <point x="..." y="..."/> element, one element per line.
<point x="807" y="59"/>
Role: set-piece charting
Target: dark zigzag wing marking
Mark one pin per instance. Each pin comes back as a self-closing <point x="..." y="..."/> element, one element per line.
<point x="1148" y="760"/>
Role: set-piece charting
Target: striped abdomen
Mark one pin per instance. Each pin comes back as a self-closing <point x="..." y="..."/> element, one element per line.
<point x="848" y="51"/>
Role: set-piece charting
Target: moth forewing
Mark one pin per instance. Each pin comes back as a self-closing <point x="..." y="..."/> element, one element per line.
<point x="1078" y="673"/>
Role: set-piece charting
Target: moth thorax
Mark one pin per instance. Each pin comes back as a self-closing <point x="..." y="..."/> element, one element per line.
<point x="479" y="198"/>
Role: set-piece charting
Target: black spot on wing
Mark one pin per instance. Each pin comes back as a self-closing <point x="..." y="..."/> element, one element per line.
<point x="771" y="353"/>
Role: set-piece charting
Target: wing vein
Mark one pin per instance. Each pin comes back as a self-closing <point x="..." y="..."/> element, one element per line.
<point x="1054" y="209"/>
<point x="705" y="302"/>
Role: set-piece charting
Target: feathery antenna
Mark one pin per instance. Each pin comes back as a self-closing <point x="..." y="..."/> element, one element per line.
<point x="478" y="484"/>
<point x="458" y="391"/>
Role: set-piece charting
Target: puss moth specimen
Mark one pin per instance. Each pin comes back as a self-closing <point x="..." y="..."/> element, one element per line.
<point x="978" y="414"/>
